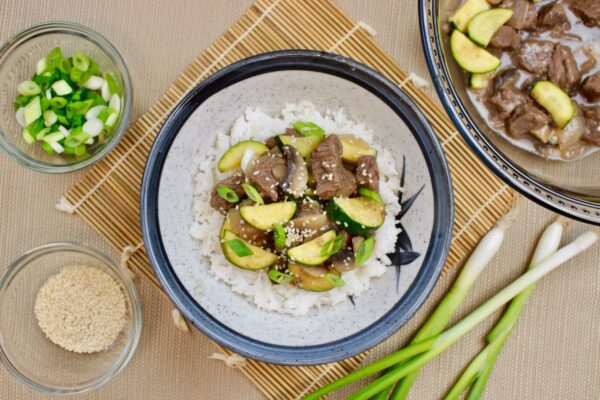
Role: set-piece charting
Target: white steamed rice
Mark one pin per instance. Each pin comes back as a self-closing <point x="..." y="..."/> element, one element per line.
<point x="255" y="285"/>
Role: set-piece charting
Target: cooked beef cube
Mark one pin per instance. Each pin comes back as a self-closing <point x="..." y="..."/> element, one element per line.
<point x="553" y="15"/>
<point x="234" y="182"/>
<point x="266" y="173"/>
<point x="563" y="70"/>
<point x="592" y="126"/>
<point x="504" y="101"/>
<point x="367" y="173"/>
<point x="534" y="56"/>
<point x="526" y="119"/>
<point x="587" y="10"/>
<point x="591" y="88"/>
<point x="506" y="78"/>
<point x="270" y="142"/>
<point x="329" y="172"/>
<point x="525" y="14"/>
<point x="506" y="38"/>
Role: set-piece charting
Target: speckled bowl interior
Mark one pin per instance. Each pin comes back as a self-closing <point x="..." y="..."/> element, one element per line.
<point x="269" y="82"/>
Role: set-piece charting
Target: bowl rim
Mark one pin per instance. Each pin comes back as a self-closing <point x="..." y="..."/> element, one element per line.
<point x="132" y="298"/>
<point x="543" y="194"/>
<point x="75" y="29"/>
<point x="433" y="260"/>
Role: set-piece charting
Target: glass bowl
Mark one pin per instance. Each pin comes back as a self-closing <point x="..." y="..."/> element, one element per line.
<point x="571" y="188"/>
<point x="18" y="58"/>
<point x="25" y="350"/>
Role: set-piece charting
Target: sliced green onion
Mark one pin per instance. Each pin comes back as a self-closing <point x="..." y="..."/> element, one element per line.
<point x="335" y="280"/>
<point x="80" y="150"/>
<point x="53" y="137"/>
<point x="113" y="86"/>
<point x="78" y="76"/>
<point x="228" y="194"/>
<point x="252" y="193"/>
<point x="279" y="236"/>
<point x="364" y="251"/>
<point x="50" y="118"/>
<point x="332" y="246"/>
<point x="27" y="136"/>
<point x="47" y="148"/>
<point x="308" y="128"/>
<point x="279" y="277"/>
<point x="58" y="102"/>
<point x="81" y="61"/>
<point x="20" y="115"/>
<point x="94" y="112"/>
<point x="93" y="83"/>
<point x="28" y="88"/>
<point x="76" y="138"/>
<point x="369" y="194"/>
<point x="239" y="247"/>
<point x="40" y="135"/>
<point x="33" y="111"/>
<point x="64" y="66"/>
<point x="57" y="147"/>
<point x="40" y="67"/>
<point x="111" y="120"/>
<point x="53" y="58"/>
<point x="62" y="88"/>
<point x="115" y="102"/>
<point x="48" y="94"/>
<point x="105" y="91"/>
<point x="35" y="126"/>
<point x="93" y="127"/>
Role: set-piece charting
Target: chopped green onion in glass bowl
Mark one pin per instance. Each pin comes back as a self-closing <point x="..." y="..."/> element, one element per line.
<point x="66" y="97"/>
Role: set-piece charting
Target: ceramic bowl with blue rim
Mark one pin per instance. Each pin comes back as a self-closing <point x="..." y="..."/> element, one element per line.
<point x="270" y="81"/>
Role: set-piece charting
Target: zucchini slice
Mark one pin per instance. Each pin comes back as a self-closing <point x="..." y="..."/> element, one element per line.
<point x="356" y="215"/>
<point x="460" y="19"/>
<point x="484" y="25"/>
<point x="305" y="145"/>
<point x="259" y="259"/>
<point x="471" y="57"/>
<point x="309" y="253"/>
<point x="312" y="278"/>
<point x="481" y="81"/>
<point x="232" y="159"/>
<point x="263" y="217"/>
<point x="353" y="147"/>
<point x="555" y="100"/>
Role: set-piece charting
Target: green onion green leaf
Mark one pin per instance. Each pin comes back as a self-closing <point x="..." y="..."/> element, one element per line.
<point x="279" y="277"/>
<point x="332" y="246"/>
<point x="369" y="194"/>
<point x="228" y="194"/>
<point x="252" y="193"/>
<point x="239" y="247"/>
<point x="81" y="61"/>
<point x="335" y="280"/>
<point x="364" y="251"/>
<point x="279" y="236"/>
<point x="28" y="88"/>
<point x="308" y="128"/>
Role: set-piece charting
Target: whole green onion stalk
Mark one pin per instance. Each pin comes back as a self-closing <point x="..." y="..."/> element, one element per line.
<point x="429" y="348"/>
<point x="439" y="319"/>
<point x="479" y="370"/>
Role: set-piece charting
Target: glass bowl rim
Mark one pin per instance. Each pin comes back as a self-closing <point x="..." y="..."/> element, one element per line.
<point x="542" y="193"/>
<point x="132" y="298"/>
<point x="74" y="29"/>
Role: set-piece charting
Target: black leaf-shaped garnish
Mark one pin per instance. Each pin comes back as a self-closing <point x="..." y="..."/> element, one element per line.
<point x="351" y="298"/>
<point x="403" y="242"/>
<point x="406" y="205"/>
<point x="403" y="251"/>
<point x="404" y="257"/>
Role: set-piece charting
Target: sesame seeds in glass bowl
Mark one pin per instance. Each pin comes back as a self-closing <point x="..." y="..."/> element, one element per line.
<point x="67" y="353"/>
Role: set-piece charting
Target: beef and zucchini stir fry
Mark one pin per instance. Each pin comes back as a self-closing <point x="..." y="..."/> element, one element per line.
<point x="304" y="205"/>
<point x="533" y="73"/>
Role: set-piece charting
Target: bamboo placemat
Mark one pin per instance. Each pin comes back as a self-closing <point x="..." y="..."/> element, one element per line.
<point x="107" y="197"/>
